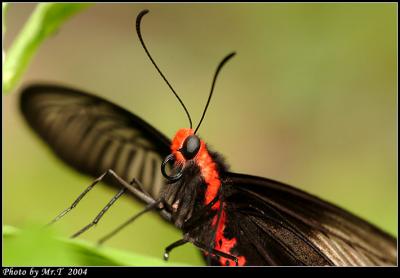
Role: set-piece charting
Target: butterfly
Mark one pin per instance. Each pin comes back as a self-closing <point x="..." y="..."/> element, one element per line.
<point x="235" y="219"/>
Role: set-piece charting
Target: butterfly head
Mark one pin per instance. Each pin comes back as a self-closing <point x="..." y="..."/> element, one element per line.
<point x="185" y="147"/>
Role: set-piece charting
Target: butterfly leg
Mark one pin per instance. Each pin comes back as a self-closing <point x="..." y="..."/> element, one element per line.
<point x="100" y="215"/>
<point x="139" y="193"/>
<point x="202" y="213"/>
<point x="199" y="245"/>
<point x="210" y="248"/>
<point x="154" y="205"/>
<point x="173" y="246"/>
<point x="75" y="203"/>
<point x="215" y="252"/>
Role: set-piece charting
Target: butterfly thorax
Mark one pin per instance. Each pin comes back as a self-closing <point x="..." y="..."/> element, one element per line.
<point x="200" y="182"/>
<point x="199" y="187"/>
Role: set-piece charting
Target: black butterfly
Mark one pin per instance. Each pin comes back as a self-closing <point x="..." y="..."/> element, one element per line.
<point x="235" y="219"/>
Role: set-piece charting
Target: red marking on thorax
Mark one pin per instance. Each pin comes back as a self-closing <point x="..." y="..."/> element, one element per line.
<point x="209" y="172"/>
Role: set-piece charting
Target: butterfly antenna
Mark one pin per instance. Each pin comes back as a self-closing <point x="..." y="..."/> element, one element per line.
<point x="138" y="20"/>
<point x="223" y="62"/>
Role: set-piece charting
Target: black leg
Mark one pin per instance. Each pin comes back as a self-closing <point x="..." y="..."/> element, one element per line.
<point x="100" y="215"/>
<point x="75" y="203"/>
<point x="154" y="205"/>
<point x="139" y="193"/>
<point x="188" y="224"/>
<point x="145" y="197"/>
<point x="199" y="245"/>
<point x="191" y="222"/>
<point x="203" y="212"/>
<point x="173" y="246"/>
<point x="139" y="185"/>
<point x="215" y="252"/>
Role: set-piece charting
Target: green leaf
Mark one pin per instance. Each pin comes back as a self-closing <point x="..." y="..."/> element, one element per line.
<point x="44" y="21"/>
<point x="39" y="246"/>
<point x="4" y="7"/>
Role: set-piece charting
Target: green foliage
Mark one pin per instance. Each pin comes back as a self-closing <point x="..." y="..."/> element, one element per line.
<point x="4" y="7"/>
<point x="44" y="22"/>
<point x="39" y="246"/>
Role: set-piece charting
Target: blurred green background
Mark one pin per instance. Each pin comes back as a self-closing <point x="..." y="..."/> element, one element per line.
<point x="310" y="100"/>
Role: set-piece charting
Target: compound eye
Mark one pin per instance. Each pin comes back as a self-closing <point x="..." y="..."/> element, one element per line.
<point x="190" y="147"/>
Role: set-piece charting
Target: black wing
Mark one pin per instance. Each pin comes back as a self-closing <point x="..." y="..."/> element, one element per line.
<point x="93" y="135"/>
<point x="277" y="224"/>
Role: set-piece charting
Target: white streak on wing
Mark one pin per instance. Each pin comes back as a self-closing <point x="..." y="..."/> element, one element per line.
<point x="344" y="253"/>
<point x="322" y="242"/>
<point x="135" y="164"/>
<point x="97" y="145"/>
<point x="147" y="171"/>
<point x="108" y="156"/>
<point x="158" y="179"/>
<point x="340" y="252"/>
<point x="122" y="160"/>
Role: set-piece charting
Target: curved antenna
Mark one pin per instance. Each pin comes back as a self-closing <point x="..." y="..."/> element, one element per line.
<point x="138" y="20"/>
<point x="223" y="62"/>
